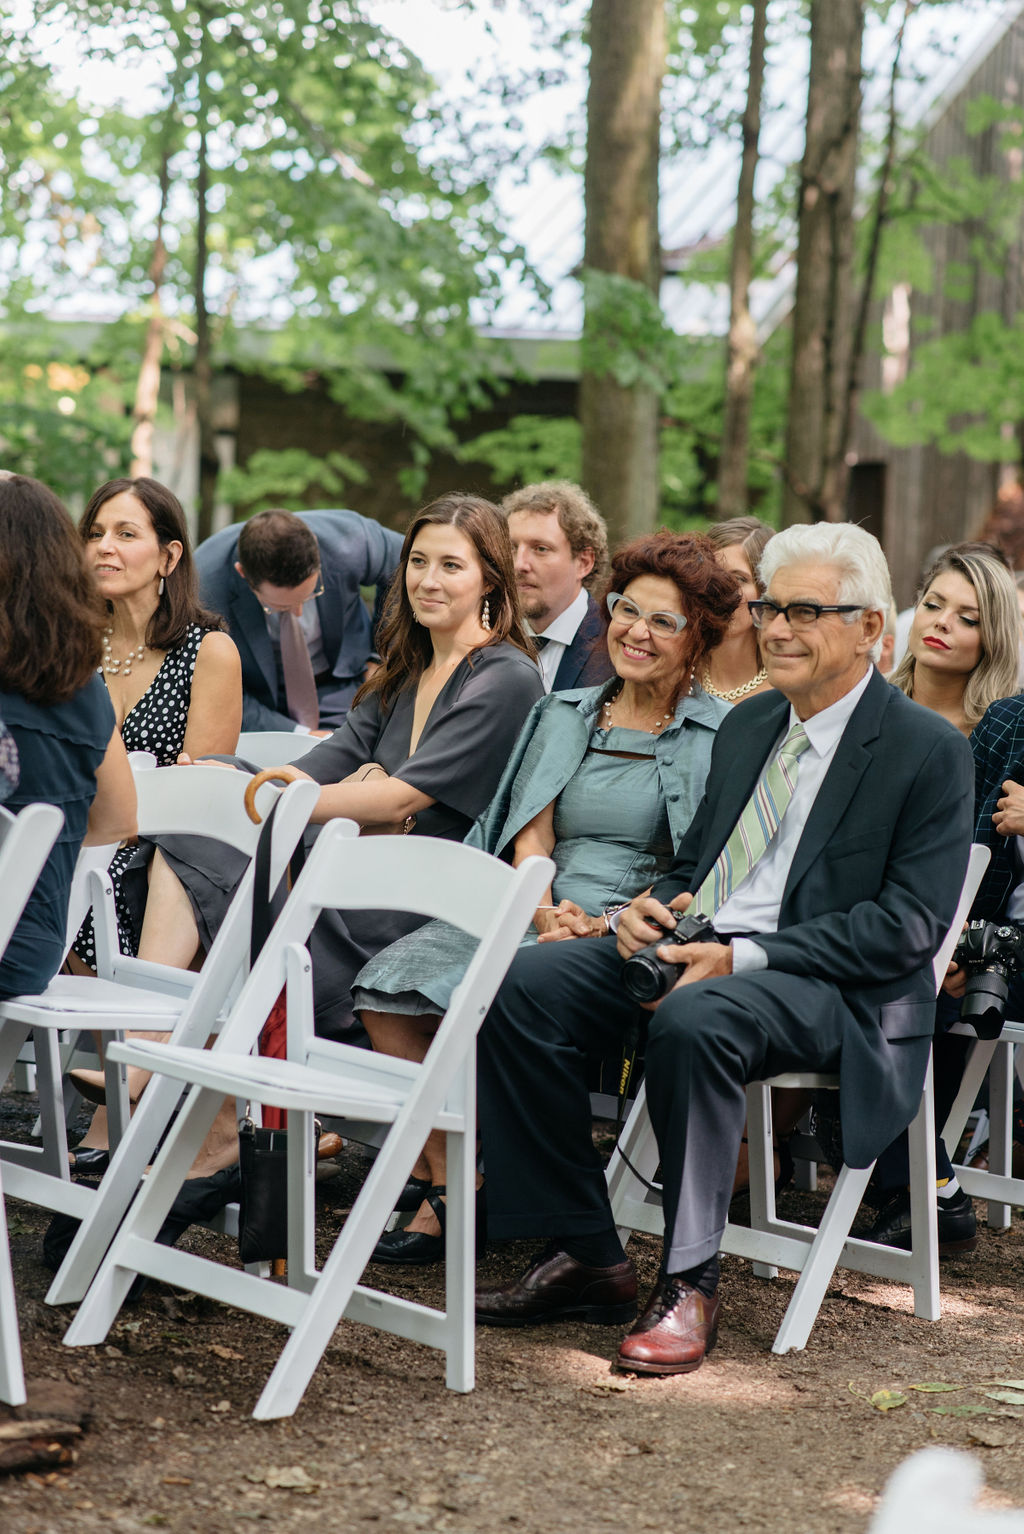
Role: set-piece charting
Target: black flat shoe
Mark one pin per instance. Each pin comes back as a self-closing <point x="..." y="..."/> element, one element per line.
<point x="416" y="1247"/>
<point x="89" y="1160"/>
<point x="412" y="1195"/>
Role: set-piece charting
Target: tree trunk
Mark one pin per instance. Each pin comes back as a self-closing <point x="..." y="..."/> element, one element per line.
<point x="743" y="350"/>
<point x="815" y="466"/>
<point x="208" y="462"/>
<point x="619" y="423"/>
<point x="147" y="388"/>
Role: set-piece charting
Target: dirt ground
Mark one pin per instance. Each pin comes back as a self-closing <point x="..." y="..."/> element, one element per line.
<point x="551" y="1439"/>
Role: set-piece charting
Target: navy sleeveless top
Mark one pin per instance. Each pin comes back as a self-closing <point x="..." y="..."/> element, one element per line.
<point x="59" y="748"/>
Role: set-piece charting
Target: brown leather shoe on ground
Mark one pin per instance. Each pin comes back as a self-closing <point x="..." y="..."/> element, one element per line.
<point x="679" y="1326"/>
<point x="555" y="1288"/>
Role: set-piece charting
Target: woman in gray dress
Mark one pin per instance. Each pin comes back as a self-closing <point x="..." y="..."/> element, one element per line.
<point x="604" y="781"/>
<point x="423" y="745"/>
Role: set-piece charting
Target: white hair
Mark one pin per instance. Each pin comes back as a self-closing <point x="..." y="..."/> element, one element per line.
<point x="855" y="555"/>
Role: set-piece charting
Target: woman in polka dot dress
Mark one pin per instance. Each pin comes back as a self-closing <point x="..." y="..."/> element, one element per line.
<point x="173" y="675"/>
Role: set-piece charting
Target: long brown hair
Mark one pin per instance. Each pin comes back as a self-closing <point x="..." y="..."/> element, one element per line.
<point x="178" y="606"/>
<point x="51" y="614"/>
<point x="708" y="594"/>
<point x="405" y="646"/>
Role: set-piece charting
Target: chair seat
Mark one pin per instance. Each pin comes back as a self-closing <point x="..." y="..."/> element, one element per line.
<point x="285" y="1083"/>
<point x="77" y="997"/>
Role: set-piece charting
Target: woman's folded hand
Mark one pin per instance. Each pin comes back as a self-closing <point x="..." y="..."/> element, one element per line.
<point x="565" y="921"/>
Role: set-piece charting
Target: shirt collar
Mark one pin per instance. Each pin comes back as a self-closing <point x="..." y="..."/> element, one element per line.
<point x="562" y="630"/>
<point x="824" y="730"/>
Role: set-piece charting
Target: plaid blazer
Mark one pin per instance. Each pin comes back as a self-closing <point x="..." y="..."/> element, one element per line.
<point x="998" y="745"/>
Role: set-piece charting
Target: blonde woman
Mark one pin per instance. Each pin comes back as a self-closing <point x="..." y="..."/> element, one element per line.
<point x="963" y="651"/>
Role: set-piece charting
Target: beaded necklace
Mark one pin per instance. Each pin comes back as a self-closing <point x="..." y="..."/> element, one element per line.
<point x="112" y="667"/>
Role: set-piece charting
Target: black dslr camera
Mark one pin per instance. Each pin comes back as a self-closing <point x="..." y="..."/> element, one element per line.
<point x="992" y="953"/>
<point x="645" y="976"/>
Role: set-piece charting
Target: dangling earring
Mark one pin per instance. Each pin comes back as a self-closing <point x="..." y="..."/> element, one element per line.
<point x="160" y="588"/>
<point x="485" y="614"/>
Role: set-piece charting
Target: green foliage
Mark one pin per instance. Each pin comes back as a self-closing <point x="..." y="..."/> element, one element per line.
<point x="290" y="477"/>
<point x="339" y="211"/>
<point x="529" y="448"/>
<point x="961" y="392"/>
<point x="625" y="333"/>
<point x="61" y="421"/>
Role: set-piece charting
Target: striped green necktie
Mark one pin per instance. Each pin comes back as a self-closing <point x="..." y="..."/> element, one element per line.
<point x="756" y="826"/>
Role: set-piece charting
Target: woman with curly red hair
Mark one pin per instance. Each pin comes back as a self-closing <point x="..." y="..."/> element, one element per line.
<point x="603" y="780"/>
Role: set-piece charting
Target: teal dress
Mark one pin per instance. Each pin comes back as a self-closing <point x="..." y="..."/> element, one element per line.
<point x="621" y="800"/>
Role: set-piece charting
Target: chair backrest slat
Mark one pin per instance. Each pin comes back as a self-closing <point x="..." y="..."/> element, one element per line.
<point x="424" y="875"/>
<point x="176" y="801"/>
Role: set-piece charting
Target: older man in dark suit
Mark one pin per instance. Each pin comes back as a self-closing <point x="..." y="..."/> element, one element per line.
<point x="288" y="585"/>
<point x="829" y="850"/>
<point x="560" y="544"/>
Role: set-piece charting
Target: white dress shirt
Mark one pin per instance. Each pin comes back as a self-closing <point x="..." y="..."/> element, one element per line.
<point x="560" y="633"/>
<point x="755" y="903"/>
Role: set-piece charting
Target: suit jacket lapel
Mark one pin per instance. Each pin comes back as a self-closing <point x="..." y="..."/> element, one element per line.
<point x="852" y="759"/>
<point x="246" y="618"/>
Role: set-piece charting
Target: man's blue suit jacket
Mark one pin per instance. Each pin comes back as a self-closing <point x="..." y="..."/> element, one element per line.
<point x="585" y="662"/>
<point x="354" y="552"/>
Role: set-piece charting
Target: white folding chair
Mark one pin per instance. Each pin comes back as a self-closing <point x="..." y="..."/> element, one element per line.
<point x="136" y="995"/>
<point x="771" y="1243"/>
<point x="996" y="1059"/>
<point x="273" y="748"/>
<point x="475" y="892"/>
<point x="26" y="841"/>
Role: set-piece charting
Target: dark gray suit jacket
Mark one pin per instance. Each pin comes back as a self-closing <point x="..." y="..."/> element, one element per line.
<point x="354" y="552"/>
<point x="873" y="886"/>
<point x="585" y="662"/>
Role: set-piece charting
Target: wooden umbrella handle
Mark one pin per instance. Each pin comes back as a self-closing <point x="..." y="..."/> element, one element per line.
<point x="285" y="774"/>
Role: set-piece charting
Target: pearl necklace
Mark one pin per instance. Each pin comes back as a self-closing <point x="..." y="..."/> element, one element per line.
<point x="606" y="719"/>
<point x="112" y="667"/>
<point x="734" y="692"/>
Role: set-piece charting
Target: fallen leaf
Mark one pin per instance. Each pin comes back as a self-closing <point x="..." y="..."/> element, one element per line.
<point x="887" y="1400"/>
<point x="287" y="1478"/>
<point x="222" y="1352"/>
<point x="1011" y="1397"/>
<point x="933" y="1387"/>
<point x="962" y="1409"/>
<point x="1008" y="1384"/>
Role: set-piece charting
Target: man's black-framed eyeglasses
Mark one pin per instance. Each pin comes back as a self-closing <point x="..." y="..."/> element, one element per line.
<point x="799" y="615"/>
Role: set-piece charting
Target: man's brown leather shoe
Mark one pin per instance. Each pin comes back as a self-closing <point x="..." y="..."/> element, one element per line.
<point x="679" y="1326"/>
<point x="556" y="1287"/>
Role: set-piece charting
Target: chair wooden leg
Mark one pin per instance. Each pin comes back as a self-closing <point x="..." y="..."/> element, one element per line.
<point x="761" y="1163"/>
<point x="12" y="1378"/>
<point x="1000" y="1127"/>
<point x="51" y="1104"/>
<point x="460" y="1249"/>
<point x="924" y="1254"/>
<point x="822" y="1259"/>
